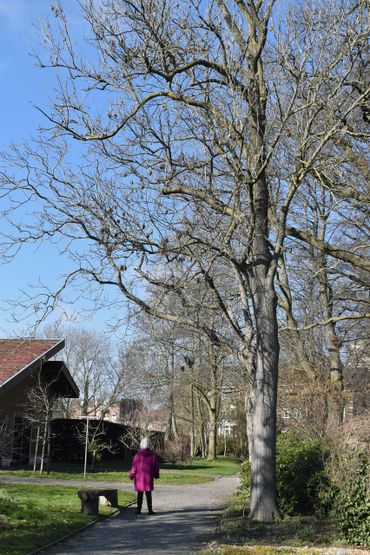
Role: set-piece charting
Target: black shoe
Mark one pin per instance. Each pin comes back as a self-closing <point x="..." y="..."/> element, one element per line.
<point x="151" y="513"/>
<point x="137" y="512"/>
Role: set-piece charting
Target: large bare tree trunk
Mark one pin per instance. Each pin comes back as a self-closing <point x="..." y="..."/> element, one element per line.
<point x="262" y="448"/>
<point x="261" y="276"/>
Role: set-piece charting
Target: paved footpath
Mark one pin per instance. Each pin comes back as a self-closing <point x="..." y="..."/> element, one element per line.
<point x="185" y="520"/>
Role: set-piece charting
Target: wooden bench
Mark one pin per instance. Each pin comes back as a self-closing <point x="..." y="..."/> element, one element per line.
<point x="90" y="499"/>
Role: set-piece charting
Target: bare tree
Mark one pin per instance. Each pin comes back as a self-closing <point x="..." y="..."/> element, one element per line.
<point x="204" y="380"/>
<point x="93" y="362"/>
<point x="323" y="301"/>
<point x="180" y="363"/>
<point x="94" y="438"/>
<point x="208" y="122"/>
<point x="148" y="379"/>
<point x="38" y="410"/>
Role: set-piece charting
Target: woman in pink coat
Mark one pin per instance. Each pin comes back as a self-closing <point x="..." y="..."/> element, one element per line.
<point x="144" y="469"/>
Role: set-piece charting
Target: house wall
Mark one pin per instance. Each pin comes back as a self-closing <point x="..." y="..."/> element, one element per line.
<point x="15" y="399"/>
<point x="14" y="430"/>
<point x="17" y="432"/>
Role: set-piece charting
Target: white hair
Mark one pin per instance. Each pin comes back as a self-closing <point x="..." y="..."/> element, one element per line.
<point x="145" y="443"/>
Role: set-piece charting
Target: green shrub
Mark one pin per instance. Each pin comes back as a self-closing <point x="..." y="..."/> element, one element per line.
<point x="318" y="476"/>
<point x="245" y="475"/>
<point x="353" y="508"/>
<point x="348" y="494"/>
<point x="300" y="473"/>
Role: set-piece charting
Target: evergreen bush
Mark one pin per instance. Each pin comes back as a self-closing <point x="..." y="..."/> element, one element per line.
<point x="300" y="473"/>
<point x="352" y="502"/>
<point x="245" y="475"/>
<point x="326" y="477"/>
<point x="347" y="491"/>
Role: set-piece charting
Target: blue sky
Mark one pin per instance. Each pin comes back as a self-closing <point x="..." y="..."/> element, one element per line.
<point x="22" y="85"/>
<point x="21" y="82"/>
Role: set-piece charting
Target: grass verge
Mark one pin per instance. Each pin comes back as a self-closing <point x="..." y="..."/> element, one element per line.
<point x="32" y="516"/>
<point x="196" y="471"/>
<point x="167" y="477"/>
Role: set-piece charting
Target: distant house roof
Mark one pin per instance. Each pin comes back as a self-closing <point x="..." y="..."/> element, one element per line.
<point x="19" y="357"/>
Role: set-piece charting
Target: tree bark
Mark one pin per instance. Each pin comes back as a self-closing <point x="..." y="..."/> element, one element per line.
<point x="171" y="429"/>
<point x="263" y="504"/>
<point x="335" y="380"/>
<point x="212" y="438"/>
<point x="43" y="445"/>
<point x="212" y="408"/>
<point x="202" y="444"/>
<point x="48" y="448"/>
<point x="36" y="449"/>
<point x="85" y="399"/>
<point x="192" y="432"/>
<point x="263" y="399"/>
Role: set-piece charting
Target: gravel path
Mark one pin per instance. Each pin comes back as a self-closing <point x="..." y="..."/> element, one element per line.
<point x="186" y="518"/>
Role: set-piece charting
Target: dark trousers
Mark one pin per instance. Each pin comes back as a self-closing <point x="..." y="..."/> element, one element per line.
<point x="148" y="495"/>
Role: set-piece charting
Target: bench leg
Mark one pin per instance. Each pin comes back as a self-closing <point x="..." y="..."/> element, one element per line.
<point x="90" y="506"/>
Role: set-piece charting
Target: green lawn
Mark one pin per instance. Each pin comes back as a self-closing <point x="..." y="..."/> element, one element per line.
<point x="195" y="472"/>
<point x="32" y="516"/>
<point x="222" y="465"/>
<point x="167" y="477"/>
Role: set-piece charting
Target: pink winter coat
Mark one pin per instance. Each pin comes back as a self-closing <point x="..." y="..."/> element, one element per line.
<point x="144" y="468"/>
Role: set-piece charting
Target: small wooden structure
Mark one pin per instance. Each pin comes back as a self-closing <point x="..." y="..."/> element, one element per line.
<point x="29" y="381"/>
<point x="90" y="499"/>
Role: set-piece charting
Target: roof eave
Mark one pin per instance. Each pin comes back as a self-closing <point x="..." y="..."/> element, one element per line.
<point x="26" y="370"/>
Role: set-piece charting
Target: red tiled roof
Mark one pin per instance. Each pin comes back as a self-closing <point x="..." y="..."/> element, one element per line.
<point x="17" y="354"/>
